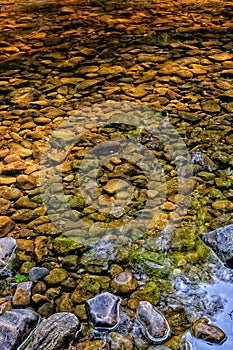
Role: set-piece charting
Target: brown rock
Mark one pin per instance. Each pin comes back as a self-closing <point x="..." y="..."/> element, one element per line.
<point x="6" y="225"/>
<point x="13" y="167"/>
<point x="203" y="330"/>
<point x="4" y="206"/>
<point x="22" y="294"/>
<point x="7" y="180"/>
<point x="211" y="106"/>
<point x="124" y="282"/>
<point x="11" y="158"/>
<point x="223" y="56"/>
<point x="4" y="153"/>
<point x="224" y="204"/>
<point x="5" y="304"/>
<point x="25" y="245"/>
<point x="26" y="182"/>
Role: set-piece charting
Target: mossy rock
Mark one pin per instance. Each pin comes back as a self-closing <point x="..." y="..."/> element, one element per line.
<point x="149" y="292"/>
<point x="184" y="238"/>
<point x="154" y="264"/>
<point x="202" y="250"/>
<point x="66" y="245"/>
<point x="77" y="202"/>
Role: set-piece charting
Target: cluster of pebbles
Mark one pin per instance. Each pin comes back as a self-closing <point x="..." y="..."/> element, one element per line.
<point x="64" y="62"/>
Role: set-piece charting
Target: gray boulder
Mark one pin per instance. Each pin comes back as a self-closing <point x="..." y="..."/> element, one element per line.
<point x="55" y="332"/>
<point x="37" y="273"/>
<point x="15" y="325"/>
<point x="7" y="249"/>
<point x="221" y="242"/>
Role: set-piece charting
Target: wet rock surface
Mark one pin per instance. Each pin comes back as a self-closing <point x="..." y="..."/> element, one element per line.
<point x="55" y="332"/>
<point x="7" y="249"/>
<point x="15" y="327"/>
<point x="154" y="324"/>
<point x="103" y="311"/>
<point x="202" y="329"/>
<point x="221" y="241"/>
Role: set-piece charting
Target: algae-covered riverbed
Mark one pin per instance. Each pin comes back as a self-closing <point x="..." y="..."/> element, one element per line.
<point x="116" y="157"/>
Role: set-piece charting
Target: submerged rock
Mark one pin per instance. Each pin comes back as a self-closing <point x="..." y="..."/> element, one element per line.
<point x="103" y="311"/>
<point x="7" y="249"/>
<point x="15" y="325"/>
<point x="221" y="241"/>
<point x="124" y="282"/>
<point x="203" y="330"/>
<point x="54" y="332"/>
<point x="154" y="325"/>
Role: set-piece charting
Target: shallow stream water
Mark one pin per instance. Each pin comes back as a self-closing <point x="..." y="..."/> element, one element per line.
<point x="122" y="114"/>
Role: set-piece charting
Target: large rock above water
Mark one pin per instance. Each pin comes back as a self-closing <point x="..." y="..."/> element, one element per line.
<point x="203" y="330"/>
<point x="154" y="325"/>
<point x="103" y="311"/>
<point x="221" y="241"/>
<point x="54" y="332"/>
<point x="15" y="325"/>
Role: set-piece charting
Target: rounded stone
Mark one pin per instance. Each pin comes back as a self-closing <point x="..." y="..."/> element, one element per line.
<point x="124" y="282"/>
<point x="154" y="325"/>
<point x="37" y="273"/>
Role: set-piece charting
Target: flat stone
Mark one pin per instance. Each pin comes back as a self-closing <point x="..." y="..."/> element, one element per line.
<point x="55" y="332"/>
<point x="87" y="84"/>
<point x="103" y="311"/>
<point x="22" y="296"/>
<point x="21" y="151"/>
<point x="7" y="180"/>
<point x="136" y="92"/>
<point x="154" y="325"/>
<point x="15" y="325"/>
<point x="112" y="70"/>
<point x="223" y="56"/>
<point x="65" y="245"/>
<point x="221" y="242"/>
<point x="223" y="204"/>
<point x="7" y="249"/>
<point x="211" y="106"/>
<point x="201" y="329"/>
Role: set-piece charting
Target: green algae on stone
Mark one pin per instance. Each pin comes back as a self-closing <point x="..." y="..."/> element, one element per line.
<point x="202" y="250"/>
<point x="85" y="290"/>
<point x="177" y="318"/>
<point x="65" y="245"/>
<point x="56" y="276"/>
<point x="152" y="263"/>
<point x="77" y="202"/>
<point x="183" y="238"/>
<point x="26" y="267"/>
<point x="149" y="292"/>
